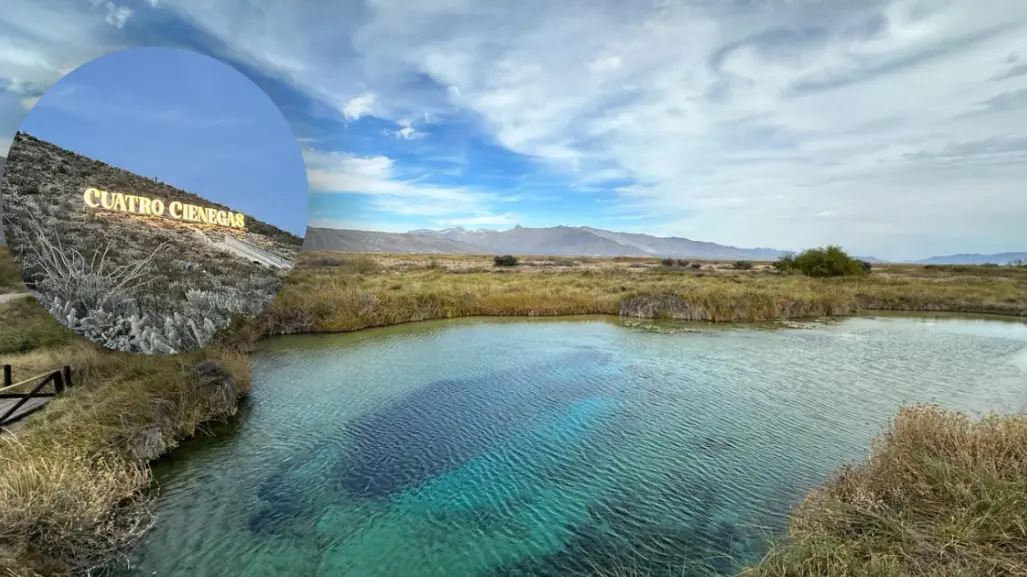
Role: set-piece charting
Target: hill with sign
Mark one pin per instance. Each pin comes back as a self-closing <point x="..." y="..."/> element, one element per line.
<point x="157" y="268"/>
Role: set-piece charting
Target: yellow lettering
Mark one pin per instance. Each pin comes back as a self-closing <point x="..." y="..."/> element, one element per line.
<point x="90" y="197"/>
<point x="96" y="198"/>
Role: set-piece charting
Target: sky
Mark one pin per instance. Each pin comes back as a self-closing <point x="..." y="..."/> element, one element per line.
<point x="895" y="128"/>
<point x="188" y="120"/>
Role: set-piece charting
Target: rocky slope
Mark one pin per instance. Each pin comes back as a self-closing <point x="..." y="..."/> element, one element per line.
<point x="187" y="287"/>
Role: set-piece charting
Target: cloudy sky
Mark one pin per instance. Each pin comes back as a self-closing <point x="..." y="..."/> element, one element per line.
<point x="897" y="129"/>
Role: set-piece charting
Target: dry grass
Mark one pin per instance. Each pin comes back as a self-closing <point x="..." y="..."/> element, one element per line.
<point x="352" y="292"/>
<point x="72" y="479"/>
<point x="939" y="495"/>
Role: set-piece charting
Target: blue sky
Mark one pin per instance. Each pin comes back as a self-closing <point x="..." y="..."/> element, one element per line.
<point x="186" y="119"/>
<point x="896" y="128"/>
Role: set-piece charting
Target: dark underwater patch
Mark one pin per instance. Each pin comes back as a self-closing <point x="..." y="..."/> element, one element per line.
<point x="448" y="422"/>
<point x="427" y="433"/>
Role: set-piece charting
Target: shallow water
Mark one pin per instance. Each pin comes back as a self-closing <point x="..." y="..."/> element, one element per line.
<point x="549" y="447"/>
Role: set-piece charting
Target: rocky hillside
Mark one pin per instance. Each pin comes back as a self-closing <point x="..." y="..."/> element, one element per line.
<point x="186" y="285"/>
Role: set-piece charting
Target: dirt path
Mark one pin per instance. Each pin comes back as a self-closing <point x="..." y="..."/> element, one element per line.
<point x="12" y="296"/>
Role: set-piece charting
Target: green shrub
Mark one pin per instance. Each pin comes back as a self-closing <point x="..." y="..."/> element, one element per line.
<point x="786" y="263"/>
<point x="505" y="260"/>
<point x="682" y="262"/>
<point x="667" y="262"/>
<point x="742" y="265"/>
<point x="867" y="267"/>
<point x="829" y="261"/>
<point x="697" y="265"/>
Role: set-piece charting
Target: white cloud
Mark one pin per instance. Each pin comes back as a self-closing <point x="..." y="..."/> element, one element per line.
<point x="897" y="114"/>
<point x="359" y="106"/>
<point x="29" y="101"/>
<point x="117" y="15"/>
<point x="375" y="177"/>
<point x="407" y="131"/>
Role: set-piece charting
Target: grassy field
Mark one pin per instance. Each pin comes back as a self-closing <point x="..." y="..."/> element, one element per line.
<point x="340" y="292"/>
<point x="939" y="495"/>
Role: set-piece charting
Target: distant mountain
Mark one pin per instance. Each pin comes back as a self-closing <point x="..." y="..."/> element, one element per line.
<point x="331" y="239"/>
<point x="999" y="258"/>
<point x="552" y="241"/>
<point x="587" y="241"/>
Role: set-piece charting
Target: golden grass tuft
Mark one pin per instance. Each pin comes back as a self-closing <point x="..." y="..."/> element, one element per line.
<point x="940" y="494"/>
<point x="73" y="484"/>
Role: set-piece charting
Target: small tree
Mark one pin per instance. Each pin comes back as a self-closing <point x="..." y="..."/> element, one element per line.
<point x="829" y="261"/>
<point x="667" y="262"/>
<point x="696" y="265"/>
<point x="867" y="267"/>
<point x="505" y="260"/>
<point x="682" y="262"/>
<point x="742" y="265"/>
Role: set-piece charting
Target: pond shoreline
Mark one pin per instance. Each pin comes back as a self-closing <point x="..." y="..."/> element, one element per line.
<point x="430" y="333"/>
<point x="201" y="412"/>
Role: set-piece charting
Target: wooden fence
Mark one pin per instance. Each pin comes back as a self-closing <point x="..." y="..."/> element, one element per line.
<point x="15" y="405"/>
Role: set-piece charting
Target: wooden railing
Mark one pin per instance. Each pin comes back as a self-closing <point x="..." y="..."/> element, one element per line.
<point x="24" y="405"/>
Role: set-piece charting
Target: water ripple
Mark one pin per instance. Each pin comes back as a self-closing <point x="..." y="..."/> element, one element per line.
<point x="549" y="448"/>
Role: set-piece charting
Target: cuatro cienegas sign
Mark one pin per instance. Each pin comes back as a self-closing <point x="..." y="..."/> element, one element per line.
<point x="142" y="205"/>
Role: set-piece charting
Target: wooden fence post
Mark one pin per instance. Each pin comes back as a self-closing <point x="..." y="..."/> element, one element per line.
<point x="7" y="376"/>
<point x="67" y="376"/>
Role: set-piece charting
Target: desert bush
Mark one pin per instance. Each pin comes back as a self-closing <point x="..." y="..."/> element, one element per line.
<point x="325" y="261"/>
<point x="682" y="262"/>
<point x="505" y="260"/>
<point x="742" y="265"/>
<point x="830" y="261"/>
<point x="1020" y="263"/>
<point x="867" y="266"/>
<point x="667" y="262"/>
<point x="696" y="265"/>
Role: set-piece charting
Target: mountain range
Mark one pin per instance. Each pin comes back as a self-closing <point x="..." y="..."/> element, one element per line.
<point x="579" y="241"/>
<point x="570" y="241"/>
<point x="998" y="258"/>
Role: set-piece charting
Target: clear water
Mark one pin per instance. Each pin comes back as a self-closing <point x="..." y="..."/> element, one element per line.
<point x="551" y="447"/>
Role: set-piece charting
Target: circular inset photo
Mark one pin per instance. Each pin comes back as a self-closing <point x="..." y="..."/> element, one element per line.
<point x="152" y="197"/>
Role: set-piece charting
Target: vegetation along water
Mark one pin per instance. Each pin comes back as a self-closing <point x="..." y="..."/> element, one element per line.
<point x="605" y="442"/>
